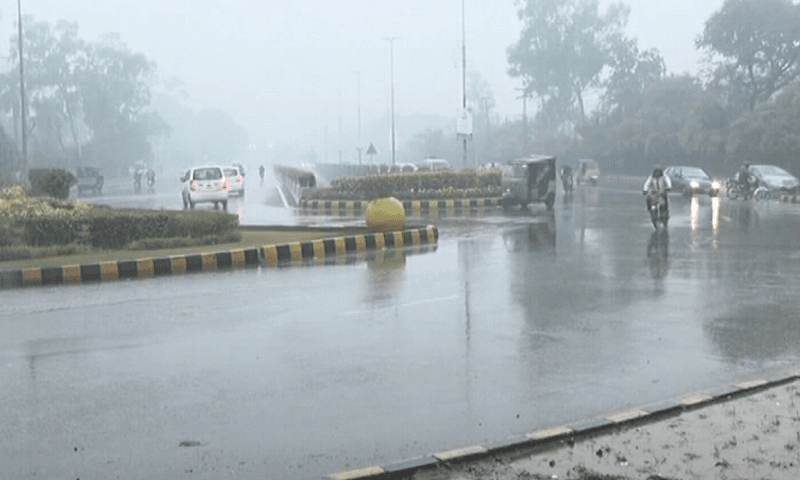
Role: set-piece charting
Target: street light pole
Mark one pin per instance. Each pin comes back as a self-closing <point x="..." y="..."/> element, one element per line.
<point x="464" y="71"/>
<point x="391" y="73"/>
<point x="22" y="94"/>
<point x="358" y="93"/>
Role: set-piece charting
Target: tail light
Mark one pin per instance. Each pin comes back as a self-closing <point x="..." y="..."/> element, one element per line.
<point x="226" y="183"/>
<point x="193" y="186"/>
<point x="239" y="179"/>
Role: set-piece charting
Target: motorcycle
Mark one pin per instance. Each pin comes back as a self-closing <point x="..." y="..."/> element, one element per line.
<point x="658" y="210"/>
<point x="734" y="189"/>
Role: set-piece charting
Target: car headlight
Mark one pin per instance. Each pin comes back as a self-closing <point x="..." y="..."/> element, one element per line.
<point x="694" y="184"/>
<point x="715" y="185"/>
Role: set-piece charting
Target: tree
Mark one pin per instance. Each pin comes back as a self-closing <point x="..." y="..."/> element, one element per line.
<point x="116" y="97"/>
<point x="759" y="45"/>
<point x="632" y="73"/>
<point x="480" y="100"/>
<point x="100" y="87"/>
<point x="563" y="48"/>
<point x="770" y="133"/>
<point x="52" y="56"/>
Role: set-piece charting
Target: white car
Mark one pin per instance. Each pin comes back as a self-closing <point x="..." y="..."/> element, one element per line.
<point x="434" y="164"/>
<point x="206" y="184"/>
<point x="236" y="176"/>
<point x="775" y="178"/>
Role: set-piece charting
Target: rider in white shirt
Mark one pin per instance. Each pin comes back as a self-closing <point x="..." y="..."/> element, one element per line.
<point x="656" y="184"/>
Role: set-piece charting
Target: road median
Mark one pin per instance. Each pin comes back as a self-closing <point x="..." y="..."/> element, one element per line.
<point x="260" y="245"/>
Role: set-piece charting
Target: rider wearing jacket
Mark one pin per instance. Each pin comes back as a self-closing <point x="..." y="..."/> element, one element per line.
<point x="656" y="184"/>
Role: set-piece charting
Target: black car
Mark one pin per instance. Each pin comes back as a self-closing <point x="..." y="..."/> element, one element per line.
<point x="691" y="180"/>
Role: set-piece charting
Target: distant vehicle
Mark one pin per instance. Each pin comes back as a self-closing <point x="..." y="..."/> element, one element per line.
<point x="775" y="179"/>
<point x="528" y="180"/>
<point x="402" y="168"/>
<point x="588" y="171"/>
<point x="434" y="164"/>
<point x="206" y="184"/>
<point x="237" y="180"/>
<point x="89" y="179"/>
<point x="688" y="181"/>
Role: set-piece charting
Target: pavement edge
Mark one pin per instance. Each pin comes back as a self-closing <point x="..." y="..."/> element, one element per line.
<point x="570" y="431"/>
<point x="269" y="255"/>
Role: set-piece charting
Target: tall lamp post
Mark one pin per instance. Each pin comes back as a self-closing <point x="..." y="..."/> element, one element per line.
<point x="358" y="89"/>
<point x="391" y="73"/>
<point x="24" y="104"/>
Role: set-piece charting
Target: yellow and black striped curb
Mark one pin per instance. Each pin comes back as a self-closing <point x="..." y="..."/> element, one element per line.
<point x="596" y="425"/>
<point x="272" y="255"/>
<point x="790" y="198"/>
<point x="422" y="206"/>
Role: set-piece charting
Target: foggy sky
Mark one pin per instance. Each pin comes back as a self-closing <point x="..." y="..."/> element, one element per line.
<point x="280" y="67"/>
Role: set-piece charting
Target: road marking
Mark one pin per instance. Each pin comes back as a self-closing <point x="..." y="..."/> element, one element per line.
<point x="407" y="304"/>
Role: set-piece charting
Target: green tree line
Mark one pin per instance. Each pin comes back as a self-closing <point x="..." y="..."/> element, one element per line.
<point x="744" y="105"/>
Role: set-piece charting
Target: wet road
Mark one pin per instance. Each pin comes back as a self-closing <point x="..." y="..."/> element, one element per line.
<point x="514" y="322"/>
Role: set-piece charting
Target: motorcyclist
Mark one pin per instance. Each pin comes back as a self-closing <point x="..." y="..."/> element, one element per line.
<point x="657" y="184"/>
<point x="747" y="181"/>
<point x="566" y="177"/>
<point x="151" y="179"/>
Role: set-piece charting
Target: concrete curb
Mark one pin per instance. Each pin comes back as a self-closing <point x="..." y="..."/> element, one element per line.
<point x="596" y="425"/>
<point x="271" y="255"/>
<point x="411" y="206"/>
<point x="790" y="198"/>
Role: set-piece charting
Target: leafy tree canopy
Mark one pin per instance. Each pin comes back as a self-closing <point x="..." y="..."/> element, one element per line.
<point x="563" y="48"/>
<point x="758" y="43"/>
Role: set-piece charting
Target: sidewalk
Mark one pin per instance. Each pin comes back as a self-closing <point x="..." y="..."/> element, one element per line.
<point x="747" y="432"/>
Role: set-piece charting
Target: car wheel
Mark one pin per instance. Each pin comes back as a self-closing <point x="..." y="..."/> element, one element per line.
<point x="225" y="205"/>
<point x="191" y="203"/>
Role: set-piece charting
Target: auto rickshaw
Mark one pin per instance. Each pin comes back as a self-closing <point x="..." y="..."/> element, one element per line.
<point x="528" y="180"/>
<point x="588" y="171"/>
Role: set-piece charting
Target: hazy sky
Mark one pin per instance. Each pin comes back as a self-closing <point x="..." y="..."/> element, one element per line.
<point x="281" y="67"/>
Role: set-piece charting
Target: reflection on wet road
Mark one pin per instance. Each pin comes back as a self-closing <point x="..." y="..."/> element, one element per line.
<point x="512" y="323"/>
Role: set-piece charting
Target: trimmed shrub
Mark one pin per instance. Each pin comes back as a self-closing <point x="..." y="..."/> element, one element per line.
<point x="53" y="182"/>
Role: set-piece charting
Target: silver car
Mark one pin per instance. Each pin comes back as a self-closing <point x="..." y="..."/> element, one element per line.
<point x="206" y="184"/>
<point x="775" y="179"/>
<point x="236" y="176"/>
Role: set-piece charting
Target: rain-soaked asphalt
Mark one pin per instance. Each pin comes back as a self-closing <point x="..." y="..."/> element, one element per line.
<point x="512" y="323"/>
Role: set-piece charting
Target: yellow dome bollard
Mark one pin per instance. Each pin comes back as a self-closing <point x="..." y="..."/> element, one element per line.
<point x="386" y="215"/>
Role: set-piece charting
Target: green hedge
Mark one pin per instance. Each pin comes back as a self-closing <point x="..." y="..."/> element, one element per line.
<point x="413" y="186"/>
<point x="26" y="220"/>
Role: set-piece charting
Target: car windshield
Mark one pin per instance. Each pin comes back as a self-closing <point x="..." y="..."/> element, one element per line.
<point x="231" y="172"/>
<point x="207" y="174"/>
<point x="770" y="170"/>
<point x="694" y="172"/>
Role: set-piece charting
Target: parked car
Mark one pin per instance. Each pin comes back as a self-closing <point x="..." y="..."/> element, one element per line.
<point x="206" y="184"/>
<point x="403" y="168"/>
<point x="688" y="181"/>
<point x="775" y="179"/>
<point x="434" y="164"/>
<point x="236" y="177"/>
<point x="89" y="179"/>
<point x="588" y="171"/>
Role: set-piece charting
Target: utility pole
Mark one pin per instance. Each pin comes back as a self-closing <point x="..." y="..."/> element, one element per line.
<point x="22" y="94"/>
<point x="464" y="71"/>
<point x="391" y="73"/>
<point x="524" y="98"/>
<point x="339" y="106"/>
<point x="358" y="90"/>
